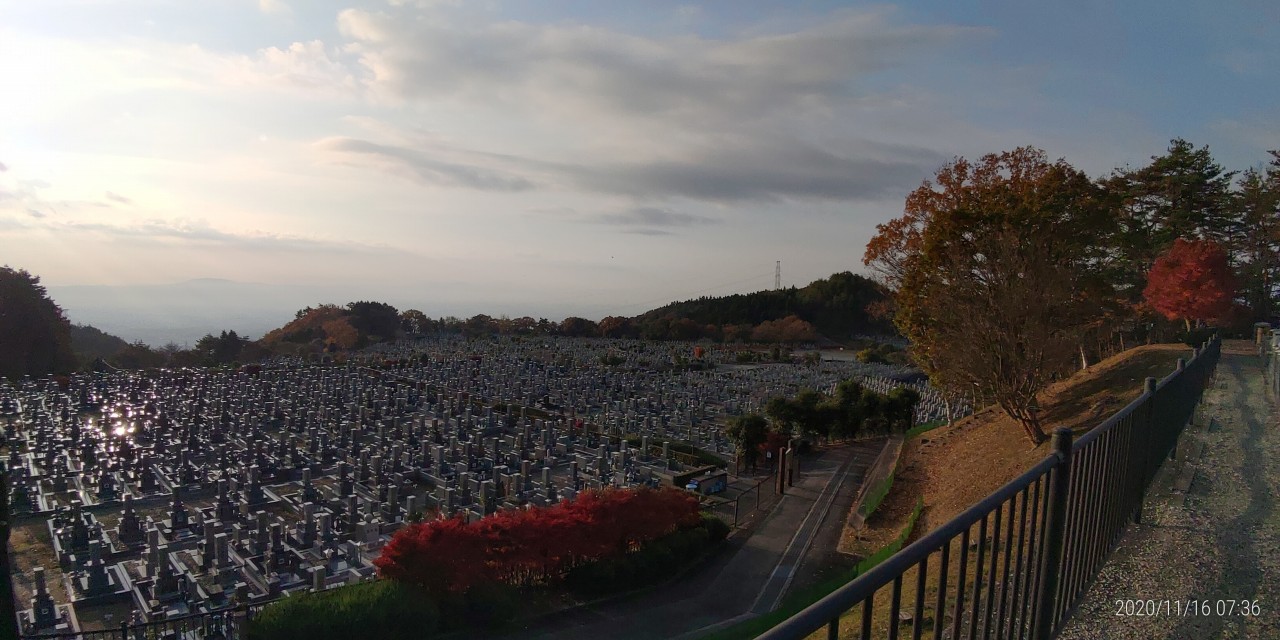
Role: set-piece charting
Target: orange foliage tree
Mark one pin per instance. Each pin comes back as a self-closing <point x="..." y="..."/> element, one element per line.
<point x="1193" y="280"/>
<point x="999" y="267"/>
<point x="339" y="331"/>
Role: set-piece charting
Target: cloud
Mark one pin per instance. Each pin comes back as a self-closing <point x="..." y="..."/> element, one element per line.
<point x="755" y="171"/>
<point x="719" y="120"/>
<point x="653" y="217"/>
<point x="35" y="213"/>
<point x="3" y="167"/>
<point x="273" y="7"/>
<point x="422" y="165"/>
<point x="591" y="68"/>
<point x="118" y="198"/>
<point x="649" y="232"/>
<point x="200" y="233"/>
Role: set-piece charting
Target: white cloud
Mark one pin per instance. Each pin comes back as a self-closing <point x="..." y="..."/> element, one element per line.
<point x="273" y="7"/>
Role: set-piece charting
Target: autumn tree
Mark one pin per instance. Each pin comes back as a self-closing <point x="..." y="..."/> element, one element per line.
<point x="1192" y="281"/>
<point x="999" y="267"/>
<point x="340" y="333"/>
<point x="35" y="337"/>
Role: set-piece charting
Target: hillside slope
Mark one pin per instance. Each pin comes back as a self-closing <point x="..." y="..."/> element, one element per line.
<point x="956" y="467"/>
<point x="835" y="306"/>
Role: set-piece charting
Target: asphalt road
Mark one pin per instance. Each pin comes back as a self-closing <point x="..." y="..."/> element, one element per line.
<point x="748" y="578"/>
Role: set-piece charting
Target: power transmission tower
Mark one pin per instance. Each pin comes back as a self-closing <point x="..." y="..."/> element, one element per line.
<point x="777" y="275"/>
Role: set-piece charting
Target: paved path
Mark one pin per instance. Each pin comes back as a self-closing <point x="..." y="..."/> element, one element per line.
<point x="751" y="576"/>
<point x="1219" y="542"/>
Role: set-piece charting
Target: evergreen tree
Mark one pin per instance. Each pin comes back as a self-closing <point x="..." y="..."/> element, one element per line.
<point x="35" y="337"/>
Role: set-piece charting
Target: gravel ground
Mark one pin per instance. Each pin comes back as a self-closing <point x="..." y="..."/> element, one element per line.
<point x="1218" y="545"/>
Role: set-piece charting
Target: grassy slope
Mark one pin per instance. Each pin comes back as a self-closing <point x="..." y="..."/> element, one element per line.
<point x="956" y="467"/>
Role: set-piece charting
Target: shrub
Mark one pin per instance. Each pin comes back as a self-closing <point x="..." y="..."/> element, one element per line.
<point x="533" y="545"/>
<point x="395" y="610"/>
<point x="486" y="605"/>
<point x="1197" y="337"/>
<point x="717" y="529"/>
<point x="652" y="563"/>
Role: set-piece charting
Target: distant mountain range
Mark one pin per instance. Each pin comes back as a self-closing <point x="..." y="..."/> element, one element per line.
<point x="183" y="312"/>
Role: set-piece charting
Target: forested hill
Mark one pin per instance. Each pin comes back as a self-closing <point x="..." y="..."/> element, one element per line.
<point x="835" y="306"/>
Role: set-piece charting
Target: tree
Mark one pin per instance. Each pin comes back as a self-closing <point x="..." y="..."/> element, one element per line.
<point x="340" y="333"/>
<point x="1257" y="246"/>
<point x="900" y="408"/>
<point x="374" y="319"/>
<point x="139" y="356"/>
<point x="747" y="433"/>
<point x="414" y="321"/>
<point x="1181" y="194"/>
<point x="35" y="336"/>
<point x="225" y="348"/>
<point x="1000" y="267"/>
<point x="576" y="327"/>
<point x="1191" y="281"/>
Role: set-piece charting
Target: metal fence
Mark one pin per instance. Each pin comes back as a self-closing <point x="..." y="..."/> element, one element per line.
<point x="225" y="624"/>
<point x="1016" y="564"/>
<point x="742" y="506"/>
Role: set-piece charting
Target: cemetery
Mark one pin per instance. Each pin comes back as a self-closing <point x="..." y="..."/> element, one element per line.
<point x="146" y="496"/>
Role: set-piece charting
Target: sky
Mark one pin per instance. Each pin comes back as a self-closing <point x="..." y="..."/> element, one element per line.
<point x="565" y="157"/>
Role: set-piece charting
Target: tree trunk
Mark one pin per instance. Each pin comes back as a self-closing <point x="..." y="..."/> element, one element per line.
<point x="1033" y="430"/>
<point x="1084" y="359"/>
<point x="1188" y="321"/>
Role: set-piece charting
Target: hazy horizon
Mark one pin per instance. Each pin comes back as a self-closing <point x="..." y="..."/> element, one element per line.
<point x="183" y="312"/>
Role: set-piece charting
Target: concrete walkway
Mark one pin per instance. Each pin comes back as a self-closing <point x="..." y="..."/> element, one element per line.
<point x="1216" y="544"/>
<point x="751" y="577"/>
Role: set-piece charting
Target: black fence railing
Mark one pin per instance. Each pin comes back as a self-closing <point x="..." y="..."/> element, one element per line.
<point x="1015" y="565"/>
<point x="224" y="624"/>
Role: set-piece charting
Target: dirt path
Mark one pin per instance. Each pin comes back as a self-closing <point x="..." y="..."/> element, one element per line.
<point x="1218" y="544"/>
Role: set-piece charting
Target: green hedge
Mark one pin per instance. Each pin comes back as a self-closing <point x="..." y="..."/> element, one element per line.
<point x="652" y="563"/>
<point x="924" y="427"/>
<point x="394" y="610"/>
<point x="703" y="457"/>
<point x="798" y="601"/>
<point x="876" y="495"/>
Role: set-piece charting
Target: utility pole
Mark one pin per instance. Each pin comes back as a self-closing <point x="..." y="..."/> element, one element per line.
<point x="777" y="275"/>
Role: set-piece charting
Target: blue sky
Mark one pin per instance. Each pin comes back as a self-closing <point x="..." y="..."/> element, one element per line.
<point x="558" y="158"/>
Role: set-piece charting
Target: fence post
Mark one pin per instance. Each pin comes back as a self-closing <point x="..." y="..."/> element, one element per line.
<point x="1144" y="454"/>
<point x="1054" y="536"/>
<point x="782" y="470"/>
<point x="1173" y="451"/>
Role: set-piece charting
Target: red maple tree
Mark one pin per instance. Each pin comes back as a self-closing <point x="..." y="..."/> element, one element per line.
<point x="538" y="545"/>
<point x="1192" y="281"/>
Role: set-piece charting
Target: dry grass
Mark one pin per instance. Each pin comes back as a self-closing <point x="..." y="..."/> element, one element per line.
<point x="956" y="467"/>
<point x="30" y="547"/>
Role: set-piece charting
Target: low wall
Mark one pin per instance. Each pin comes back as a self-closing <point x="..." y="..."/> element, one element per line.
<point x="873" y="483"/>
